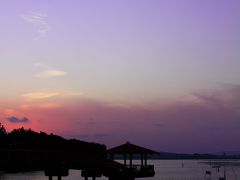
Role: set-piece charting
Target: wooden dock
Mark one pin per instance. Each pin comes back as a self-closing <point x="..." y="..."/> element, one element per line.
<point x="56" y="163"/>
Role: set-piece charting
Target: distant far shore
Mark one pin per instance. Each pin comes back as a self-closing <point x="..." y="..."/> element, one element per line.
<point x="176" y="156"/>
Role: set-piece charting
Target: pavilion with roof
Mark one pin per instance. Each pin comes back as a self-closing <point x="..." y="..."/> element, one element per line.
<point x="129" y="150"/>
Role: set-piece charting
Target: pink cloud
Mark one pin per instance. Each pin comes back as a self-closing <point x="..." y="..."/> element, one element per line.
<point x="206" y="122"/>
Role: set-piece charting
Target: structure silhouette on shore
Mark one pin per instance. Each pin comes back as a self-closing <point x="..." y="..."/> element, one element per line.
<point x="26" y="150"/>
<point x="129" y="170"/>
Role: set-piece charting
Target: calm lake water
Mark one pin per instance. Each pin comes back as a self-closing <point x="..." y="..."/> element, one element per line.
<point x="165" y="170"/>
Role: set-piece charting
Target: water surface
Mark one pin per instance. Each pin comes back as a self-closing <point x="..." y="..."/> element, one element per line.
<point x="165" y="170"/>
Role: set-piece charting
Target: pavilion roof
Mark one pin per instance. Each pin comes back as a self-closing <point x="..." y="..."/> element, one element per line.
<point x="129" y="148"/>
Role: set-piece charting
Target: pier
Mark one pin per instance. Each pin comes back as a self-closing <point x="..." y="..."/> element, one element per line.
<point x="128" y="170"/>
<point x="92" y="166"/>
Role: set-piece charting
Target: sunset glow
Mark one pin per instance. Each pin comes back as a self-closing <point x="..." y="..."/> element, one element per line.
<point x="159" y="73"/>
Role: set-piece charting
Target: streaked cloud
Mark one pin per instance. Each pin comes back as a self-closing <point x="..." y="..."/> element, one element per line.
<point x="44" y="105"/>
<point x="200" y="120"/>
<point x="190" y="121"/>
<point x="48" y="94"/>
<point x="14" y="119"/>
<point x="49" y="72"/>
<point x="40" y="95"/>
<point x="39" y="20"/>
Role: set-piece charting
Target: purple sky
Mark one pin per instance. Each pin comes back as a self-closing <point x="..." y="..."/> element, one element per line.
<point x="159" y="73"/>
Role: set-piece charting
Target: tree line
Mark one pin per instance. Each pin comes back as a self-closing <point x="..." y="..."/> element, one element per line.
<point x="27" y="139"/>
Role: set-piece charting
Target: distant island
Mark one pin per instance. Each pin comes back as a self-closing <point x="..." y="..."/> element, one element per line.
<point x="176" y="156"/>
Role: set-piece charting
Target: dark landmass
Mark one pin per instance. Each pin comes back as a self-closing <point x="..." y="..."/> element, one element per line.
<point x="176" y="156"/>
<point x="165" y="155"/>
<point x="26" y="150"/>
<point x="27" y="139"/>
<point x="222" y="162"/>
<point x="228" y="153"/>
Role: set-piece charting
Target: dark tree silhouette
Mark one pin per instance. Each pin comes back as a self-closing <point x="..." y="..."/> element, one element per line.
<point x="3" y="135"/>
<point x="3" y="131"/>
<point x="23" y="149"/>
<point x="27" y="139"/>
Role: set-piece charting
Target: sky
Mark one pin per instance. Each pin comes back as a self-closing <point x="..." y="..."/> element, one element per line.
<point x="163" y="74"/>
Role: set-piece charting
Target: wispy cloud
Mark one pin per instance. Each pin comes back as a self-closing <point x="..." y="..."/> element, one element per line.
<point x="40" y="95"/>
<point x="49" y="72"/>
<point x="14" y="119"/>
<point x="48" y="94"/>
<point x="42" y="105"/>
<point x="197" y="125"/>
<point x="39" y="20"/>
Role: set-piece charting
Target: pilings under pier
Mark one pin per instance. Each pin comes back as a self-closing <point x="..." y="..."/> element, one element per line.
<point x="57" y="171"/>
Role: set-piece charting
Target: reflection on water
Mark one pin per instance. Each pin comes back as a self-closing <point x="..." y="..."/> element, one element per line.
<point x="165" y="170"/>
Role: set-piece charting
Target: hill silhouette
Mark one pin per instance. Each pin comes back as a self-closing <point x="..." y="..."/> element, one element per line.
<point x="27" y="139"/>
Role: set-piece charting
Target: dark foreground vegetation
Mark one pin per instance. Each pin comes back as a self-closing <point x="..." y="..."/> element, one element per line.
<point x="24" y="150"/>
<point x="27" y="139"/>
